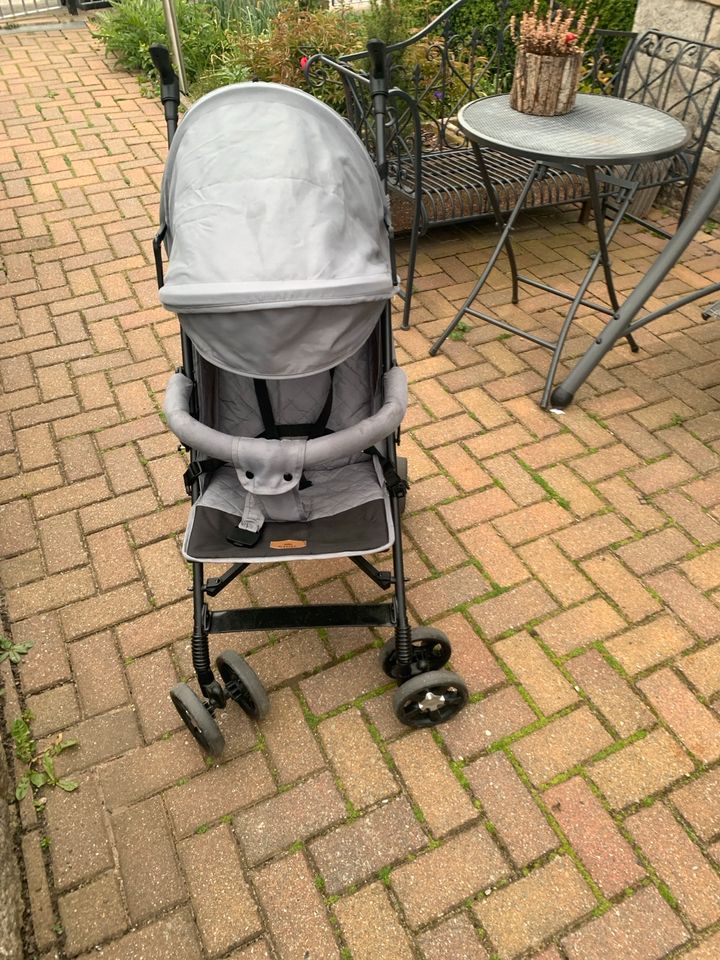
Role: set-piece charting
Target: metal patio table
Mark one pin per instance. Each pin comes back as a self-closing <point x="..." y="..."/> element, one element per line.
<point x="600" y="132"/>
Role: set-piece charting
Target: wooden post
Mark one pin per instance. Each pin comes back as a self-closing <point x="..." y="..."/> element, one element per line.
<point x="543" y="85"/>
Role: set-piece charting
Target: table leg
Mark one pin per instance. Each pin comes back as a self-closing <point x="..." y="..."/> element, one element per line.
<point x="502" y="244"/>
<point x="601" y="257"/>
<point x="599" y="213"/>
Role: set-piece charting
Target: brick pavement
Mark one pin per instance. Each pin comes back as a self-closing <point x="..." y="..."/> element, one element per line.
<point x="570" y="812"/>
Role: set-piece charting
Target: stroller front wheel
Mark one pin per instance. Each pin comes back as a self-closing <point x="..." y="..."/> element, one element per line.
<point x="430" y="698"/>
<point x="430" y="649"/>
<point x="198" y="719"/>
<point x="243" y="685"/>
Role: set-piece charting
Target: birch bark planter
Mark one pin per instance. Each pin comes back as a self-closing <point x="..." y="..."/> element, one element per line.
<point x="545" y="86"/>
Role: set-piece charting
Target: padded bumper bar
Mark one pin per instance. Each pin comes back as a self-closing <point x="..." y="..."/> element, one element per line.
<point x="335" y="446"/>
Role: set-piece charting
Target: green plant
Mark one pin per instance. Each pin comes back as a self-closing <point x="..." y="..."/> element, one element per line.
<point x="40" y="766"/>
<point x="13" y="651"/>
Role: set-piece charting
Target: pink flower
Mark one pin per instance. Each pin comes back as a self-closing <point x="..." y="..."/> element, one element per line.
<point x="303" y="62"/>
<point x="570" y="37"/>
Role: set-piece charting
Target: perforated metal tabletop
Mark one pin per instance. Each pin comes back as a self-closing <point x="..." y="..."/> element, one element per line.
<point x="598" y="130"/>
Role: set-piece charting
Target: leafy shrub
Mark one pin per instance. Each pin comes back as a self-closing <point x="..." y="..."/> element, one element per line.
<point x="131" y="26"/>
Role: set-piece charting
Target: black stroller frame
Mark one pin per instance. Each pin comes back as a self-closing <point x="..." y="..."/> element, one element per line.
<point x="414" y="658"/>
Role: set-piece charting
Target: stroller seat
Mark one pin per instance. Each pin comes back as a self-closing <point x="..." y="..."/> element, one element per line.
<point x="289" y="398"/>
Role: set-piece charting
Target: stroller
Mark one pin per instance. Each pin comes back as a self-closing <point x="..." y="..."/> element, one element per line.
<point x="289" y="401"/>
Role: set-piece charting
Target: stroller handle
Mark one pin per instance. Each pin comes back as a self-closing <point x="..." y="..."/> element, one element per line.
<point x="370" y="432"/>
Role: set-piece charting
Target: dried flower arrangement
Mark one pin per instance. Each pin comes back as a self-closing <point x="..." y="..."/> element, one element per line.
<point x="549" y="55"/>
<point x="559" y="33"/>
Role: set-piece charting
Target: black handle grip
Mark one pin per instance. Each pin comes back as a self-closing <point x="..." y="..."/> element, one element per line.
<point x="376" y="51"/>
<point x="163" y="64"/>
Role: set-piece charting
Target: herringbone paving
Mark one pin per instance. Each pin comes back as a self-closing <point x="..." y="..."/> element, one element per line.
<point x="571" y="812"/>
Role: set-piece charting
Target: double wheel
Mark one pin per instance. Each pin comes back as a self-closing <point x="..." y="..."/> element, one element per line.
<point x="430" y="695"/>
<point x="242" y="685"/>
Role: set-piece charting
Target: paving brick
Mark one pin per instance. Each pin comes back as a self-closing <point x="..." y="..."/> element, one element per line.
<point x="98" y="674"/>
<point x="707" y="950"/>
<point x="118" y="510"/>
<point x="433" y="539"/>
<point x="105" y="610"/>
<point x="45" y="663"/>
<point x="655" y="551"/>
<point x="296" y="814"/>
<point x="59" y="590"/>
<point x="166" y="572"/>
<point x="480" y="724"/>
<point x="455" y="937"/>
<point x="300" y="653"/>
<point x="35" y="447"/>
<point x="355" y="851"/>
<point x="542" y="680"/>
<point x="529" y="911"/>
<point x="43" y="919"/>
<point x="140" y="773"/>
<point x="650" y="644"/>
<point x="703" y="669"/>
<point x="343" y="683"/>
<point x="560" y="576"/>
<point x="468" y="863"/>
<point x="621" y="586"/>
<point x="449" y="591"/>
<point x="371" y="927"/>
<point x="703" y="571"/>
<point x="79" y="847"/>
<point x="464" y="470"/>
<point x="628" y="502"/>
<point x="532" y="522"/>
<point x="699" y="804"/>
<point x="609" y="693"/>
<point x="515" y="479"/>
<point x="53" y="709"/>
<point x="225" y="911"/>
<point x="147" y="633"/>
<point x="223" y="790"/>
<point x="593" y="620"/>
<point x="560" y="745"/>
<point x="477" y="508"/>
<point x="79" y="458"/>
<point x="510" y="808"/>
<point x="512" y="609"/>
<point x="679" y="863"/>
<point x="293" y="750"/>
<point x="295" y="910"/>
<point x="644" y="924"/>
<point x="17" y="533"/>
<point x="357" y="759"/>
<point x="92" y="914"/>
<point x="690" y="517"/>
<point x="498" y="561"/>
<point x="150" y="679"/>
<point x="431" y="783"/>
<point x="592" y="535"/>
<point x="61" y="543"/>
<point x="100" y="738"/>
<point x="699" y="613"/>
<point x="594" y="836"/>
<point x="641" y="769"/>
<point x="151" y="878"/>
<point x="696" y="726"/>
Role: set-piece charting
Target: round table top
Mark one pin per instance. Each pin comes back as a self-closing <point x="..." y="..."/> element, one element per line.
<point x="598" y="130"/>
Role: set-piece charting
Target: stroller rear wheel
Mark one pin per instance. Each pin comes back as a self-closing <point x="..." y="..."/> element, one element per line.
<point x="243" y="685"/>
<point x="430" y="698"/>
<point x="198" y="719"/>
<point x="430" y="651"/>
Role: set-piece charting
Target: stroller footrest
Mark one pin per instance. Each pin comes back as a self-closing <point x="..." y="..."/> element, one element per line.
<point x="301" y="617"/>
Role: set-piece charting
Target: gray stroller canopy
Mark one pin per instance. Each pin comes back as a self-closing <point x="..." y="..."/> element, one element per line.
<point x="279" y="250"/>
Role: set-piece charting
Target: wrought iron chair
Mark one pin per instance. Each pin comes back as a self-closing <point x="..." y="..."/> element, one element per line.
<point x="681" y="77"/>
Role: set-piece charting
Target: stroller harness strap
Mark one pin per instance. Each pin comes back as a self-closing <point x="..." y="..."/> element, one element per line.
<point x="276" y="431"/>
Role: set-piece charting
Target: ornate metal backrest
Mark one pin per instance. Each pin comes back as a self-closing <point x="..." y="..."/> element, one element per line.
<point x="605" y="61"/>
<point x="679" y="76"/>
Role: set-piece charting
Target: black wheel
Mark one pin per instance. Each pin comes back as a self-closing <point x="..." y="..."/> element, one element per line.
<point x="243" y="685"/>
<point x="430" y="698"/>
<point x="198" y="719"/>
<point x="430" y="651"/>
